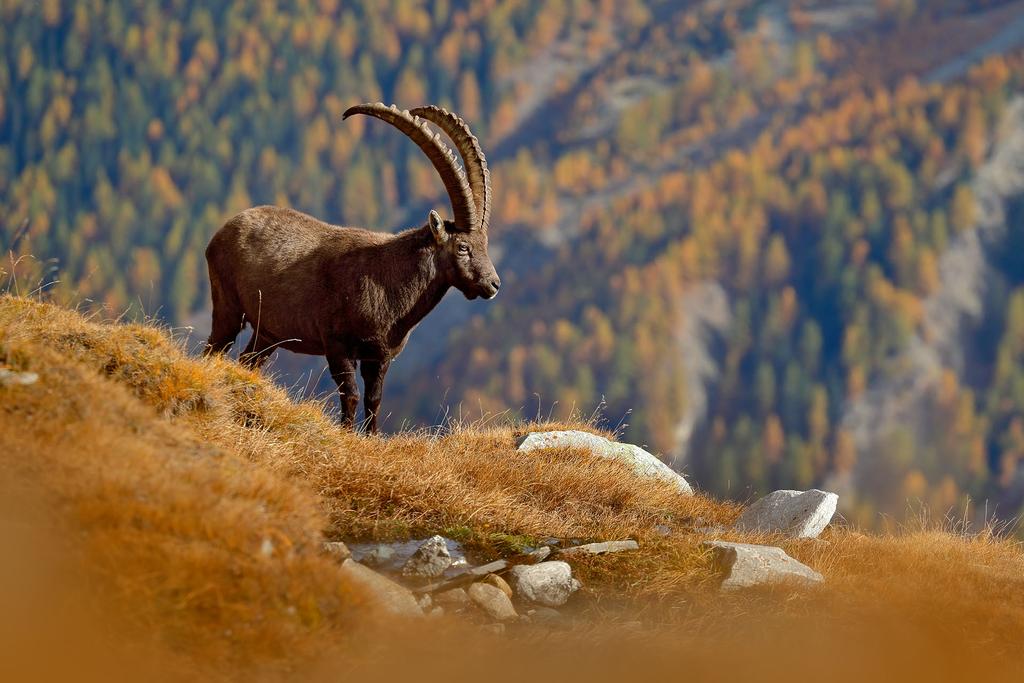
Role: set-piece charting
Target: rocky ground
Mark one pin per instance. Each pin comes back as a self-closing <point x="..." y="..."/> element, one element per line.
<point x="432" y="577"/>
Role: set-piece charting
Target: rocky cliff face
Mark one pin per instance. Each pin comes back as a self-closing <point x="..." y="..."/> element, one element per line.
<point x="705" y="312"/>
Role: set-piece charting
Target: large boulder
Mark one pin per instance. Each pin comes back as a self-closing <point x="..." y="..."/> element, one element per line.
<point x="381" y="593"/>
<point x="641" y="462"/>
<point x="800" y="514"/>
<point x="743" y="565"/>
<point x="430" y="559"/>
<point x="547" y="583"/>
<point x="492" y="600"/>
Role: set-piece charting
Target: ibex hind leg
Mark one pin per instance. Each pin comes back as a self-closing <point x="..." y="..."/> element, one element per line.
<point x="228" y="319"/>
<point x="343" y="372"/>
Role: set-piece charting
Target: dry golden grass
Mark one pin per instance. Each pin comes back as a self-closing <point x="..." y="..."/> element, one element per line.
<point x="212" y="550"/>
<point x="193" y="495"/>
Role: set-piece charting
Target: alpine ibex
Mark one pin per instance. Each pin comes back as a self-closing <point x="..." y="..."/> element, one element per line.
<point x="350" y="294"/>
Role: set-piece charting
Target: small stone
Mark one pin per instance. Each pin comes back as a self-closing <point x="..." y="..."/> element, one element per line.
<point x="424" y="602"/>
<point x="640" y="461"/>
<point x="430" y="559"/>
<point x="492" y="600"/>
<point x="338" y="550"/>
<point x="499" y="583"/>
<point x="601" y="548"/>
<point x="547" y="583"/>
<point x="799" y="514"/>
<point x="456" y="597"/>
<point x="535" y="556"/>
<point x="495" y="629"/>
<point x="743" y="565"/>
<point x="382" y="593"/>
<point x="436" y="612"/>
<point x="378" y="557"/>
<point x="10" y="378"/>
<point x="662" y="530"/>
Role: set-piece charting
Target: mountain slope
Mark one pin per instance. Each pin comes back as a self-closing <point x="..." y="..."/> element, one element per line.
<point x="170" y="510"/>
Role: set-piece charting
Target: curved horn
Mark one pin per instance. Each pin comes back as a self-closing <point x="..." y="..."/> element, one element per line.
<point x="472" y="156"/>
<point x="443" y="159"/>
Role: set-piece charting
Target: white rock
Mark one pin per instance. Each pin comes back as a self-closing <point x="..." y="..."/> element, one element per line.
<point x="744" y="565"/>
<point x="600" y="548"/>
<point x="381" y="592"/>
<point x="10" y="378"/>
<point x="642" y="462"/>
<point x="429" y="560"/>
<point x="547" y="583"/>
<point x="492" y="600"/>
<point x="800" y="514"/>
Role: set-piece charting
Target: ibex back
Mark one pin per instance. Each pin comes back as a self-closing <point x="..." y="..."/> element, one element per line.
<point x="350" y="294"/>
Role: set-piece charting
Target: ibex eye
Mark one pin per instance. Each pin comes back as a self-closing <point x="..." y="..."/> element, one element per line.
<point x="463" y="249"/>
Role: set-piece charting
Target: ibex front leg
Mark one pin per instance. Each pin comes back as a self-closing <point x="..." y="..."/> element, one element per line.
<point x="343" y="372"/>
<point x="373" y="372"/>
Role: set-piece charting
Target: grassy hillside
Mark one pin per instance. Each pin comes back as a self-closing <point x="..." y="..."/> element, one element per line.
<point x="176" y="506"/>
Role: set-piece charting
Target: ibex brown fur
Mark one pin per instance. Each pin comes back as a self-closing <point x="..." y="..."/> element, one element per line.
<point x="351" y="294"/>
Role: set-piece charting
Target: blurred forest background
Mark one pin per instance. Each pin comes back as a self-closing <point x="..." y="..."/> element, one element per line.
<point x="781" y="243"/>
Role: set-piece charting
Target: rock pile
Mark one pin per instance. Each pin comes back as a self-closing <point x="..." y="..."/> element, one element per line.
<point x="527" y="587"/>
<point x="797" y="514"/>
<point x="491" y="590"/>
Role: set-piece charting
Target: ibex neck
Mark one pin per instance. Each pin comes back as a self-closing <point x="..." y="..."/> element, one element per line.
<point x="414" y="293"/>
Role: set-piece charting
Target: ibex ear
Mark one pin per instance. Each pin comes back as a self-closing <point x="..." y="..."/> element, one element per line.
<point x="437" y="227"/>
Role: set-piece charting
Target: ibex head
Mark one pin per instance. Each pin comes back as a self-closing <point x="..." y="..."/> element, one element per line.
<point x="463" y="254"/>
<point x="461" y="243"/>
